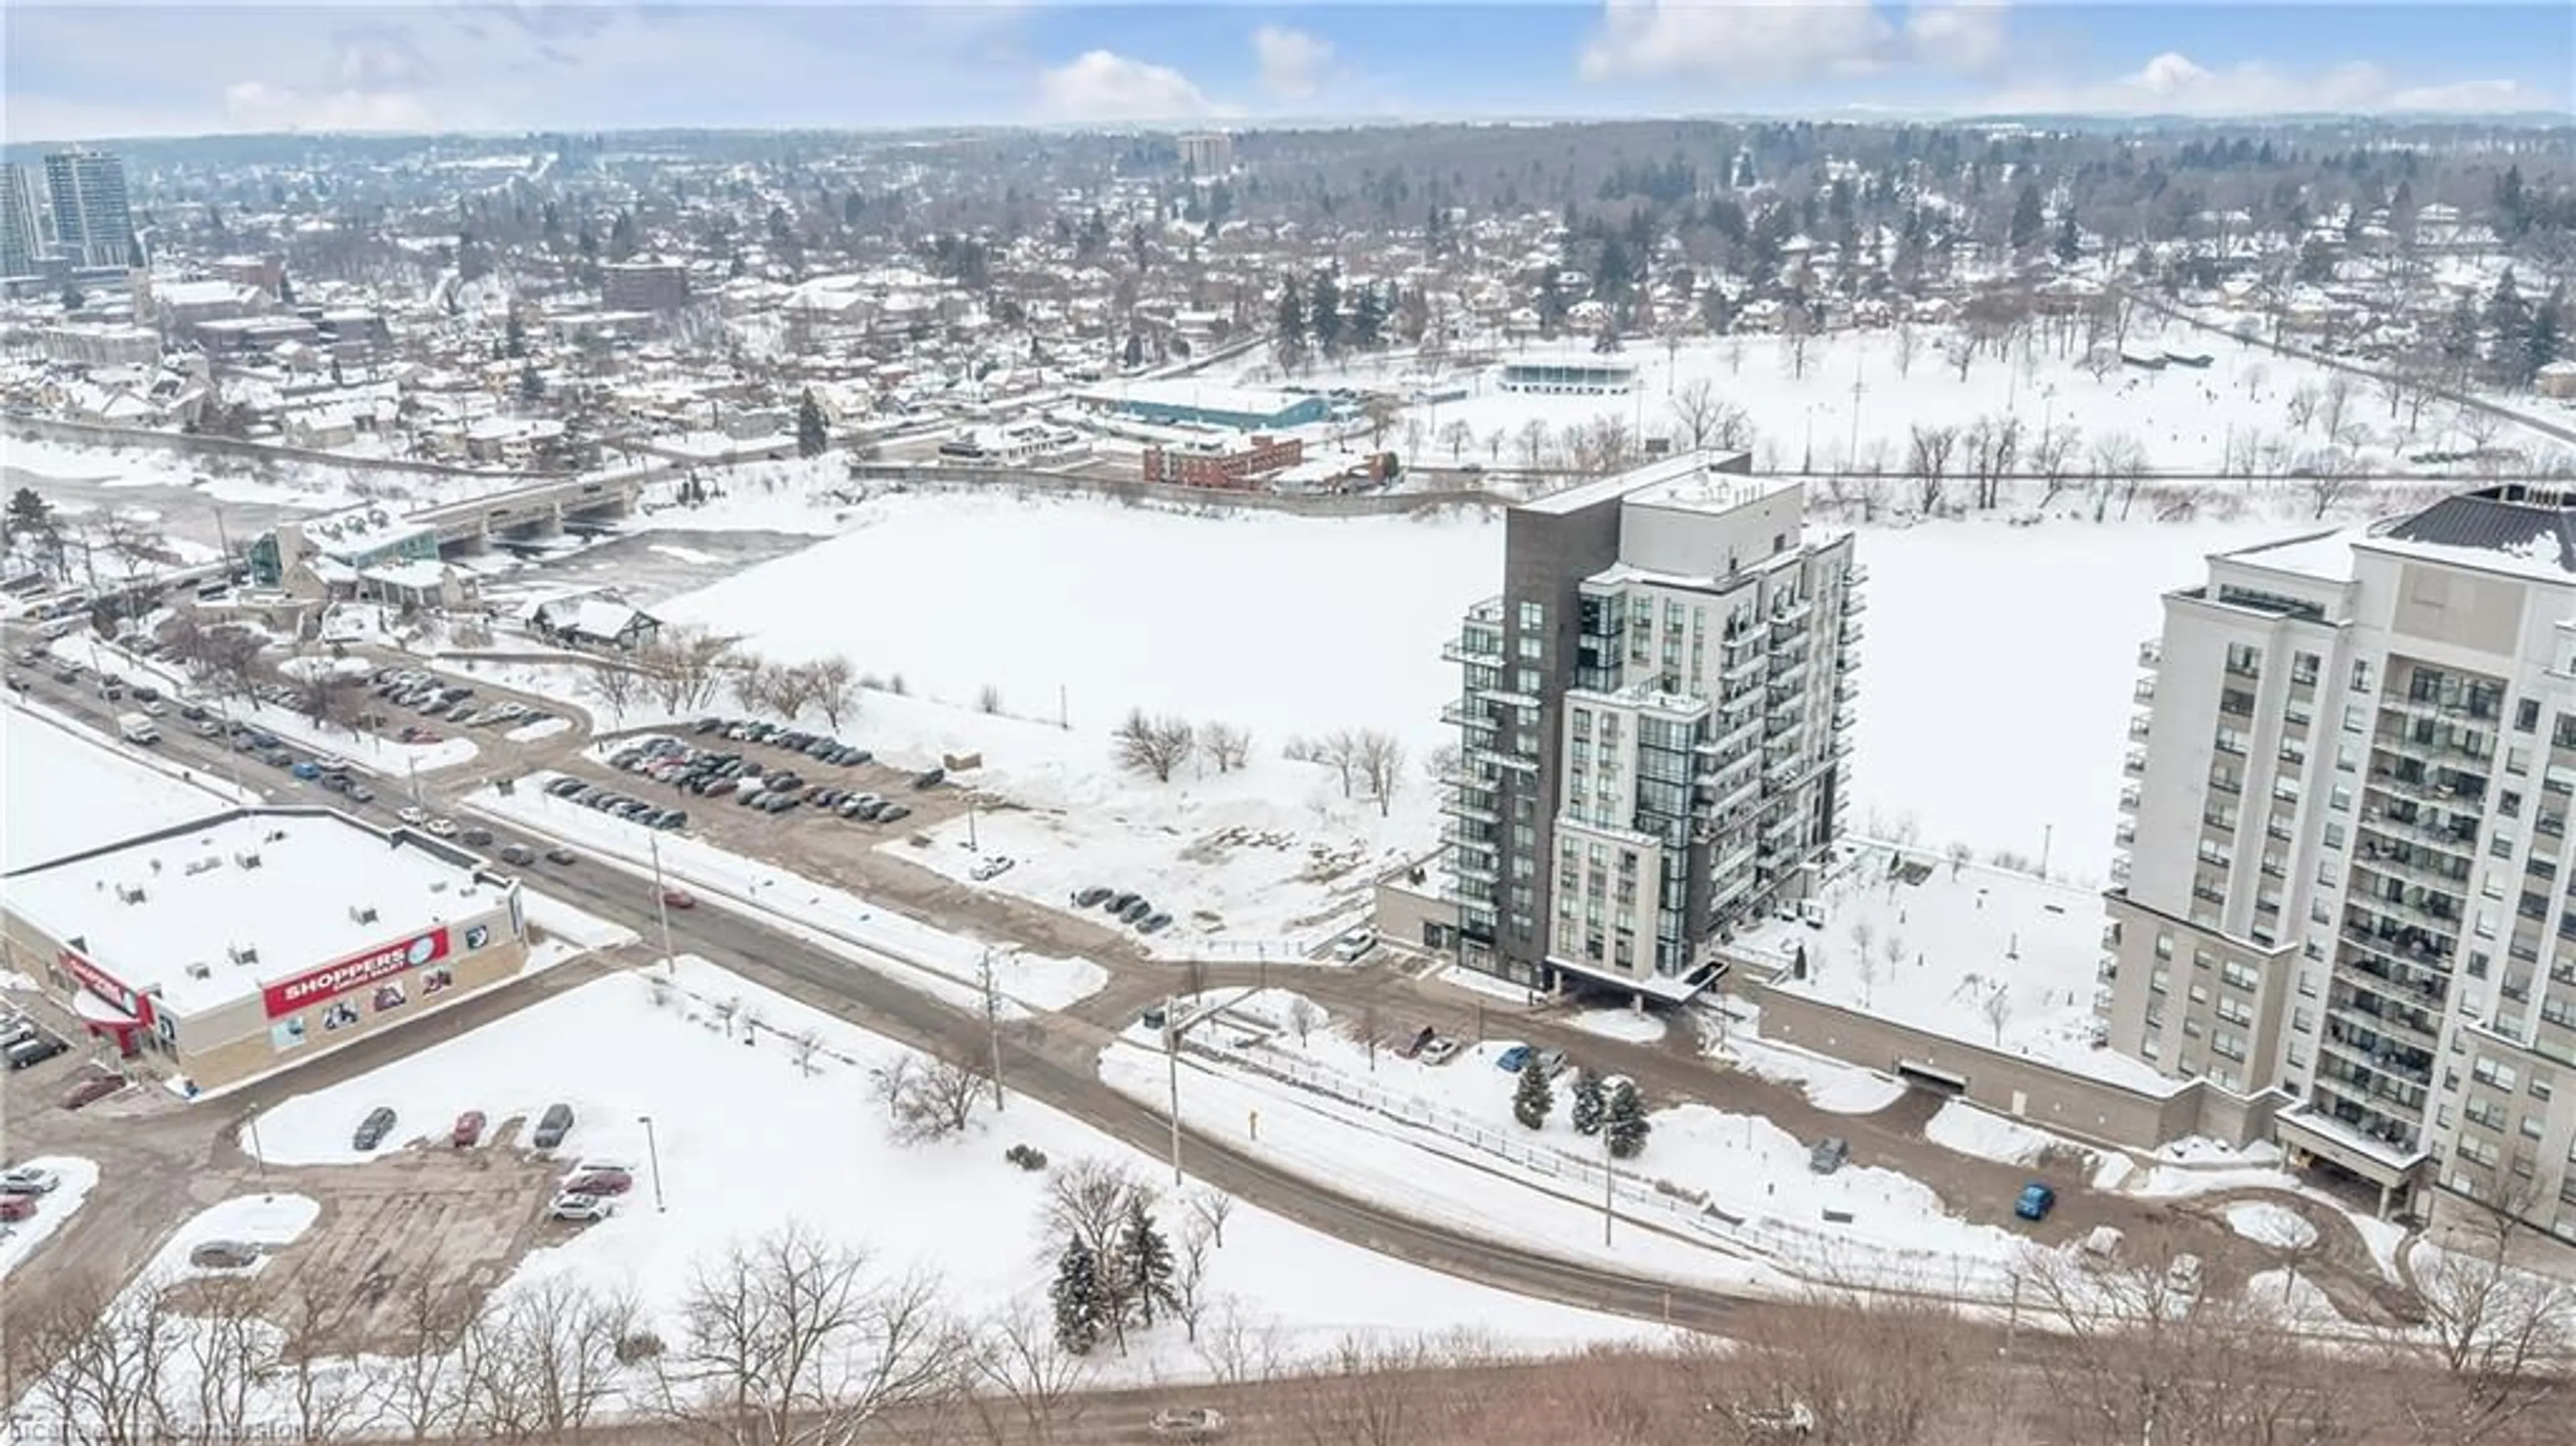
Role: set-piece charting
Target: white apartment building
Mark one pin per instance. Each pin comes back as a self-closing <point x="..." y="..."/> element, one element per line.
<point x="2341" y="895"/>
<point x="1653" y="719"/>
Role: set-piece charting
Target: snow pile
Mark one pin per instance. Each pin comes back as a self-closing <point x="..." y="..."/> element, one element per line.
<point x="272" y="1222"/>
<point x="2267" y="1223"/>
<point x="1625" y="1024"/>
<point x="1829" y="1084"/>
<point x="1970" y="1130"/>
<point x="78" y="1178"/>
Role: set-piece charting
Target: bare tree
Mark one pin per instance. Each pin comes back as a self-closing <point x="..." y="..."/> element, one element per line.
<point x="1959" y="854"/>
<point x="1153" y="746"/>
<point x="1303" y="1016"/>
<point x="835" y="687"/>
<point x="791" y="1341"/>
<point x="423" y="1384"/>
<point x="228" y="1350"/>
<point x="1997" y="1008"/>
<point x="1088" y="1200"/>
<point x="1695" y="406"/>
<point x="1338" y="750"/>
<point x="753" y="681"/>
<point x="684" y="666"/>
<point x="1797" y="336"/>
<point x="2497" y="1336"/>
<point x="2052" y="459"/>
<point x="1442" y="764"/>
<point x="1533" y="440"/>
<point x="1228" y="745"/>
<point x="1018" y="1356"/>
<point x="325" y="695"/>
<point x="614" y="684"/>
<point x="1379" y="757"/>
<point x="89" y="1357"/>
<point x="2302" y="405"/>
<point x="2330" y="473"/>
<point x="928" y="1098"/>
<point x="1927" y="460"/>
<point x="1994" y="450"/>
<point x="2119" y="465"/>
<point x="2334" y="402"/>
<point x="1904" y="349"/>
<point x="1190" y="1298"/>
<point x="1212" y="1208"/>
<point x="1457" y="436"/>
<point x="322" y="1398"/>
<point x="1959" y="351"/>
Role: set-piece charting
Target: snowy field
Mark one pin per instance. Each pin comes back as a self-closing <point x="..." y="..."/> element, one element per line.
<point x="1855" y="400"/>
<point x="905" y="950"/>
<point x="20" y="1239"/>
<point x="1990" y="956"/>
<point x="820" y="1156"/>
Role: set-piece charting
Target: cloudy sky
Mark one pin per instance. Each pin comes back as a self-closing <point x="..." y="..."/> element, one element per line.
<point x="103" y="68"/>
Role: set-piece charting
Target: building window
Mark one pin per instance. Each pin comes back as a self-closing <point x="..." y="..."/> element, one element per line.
<point x="2239" y="975"/>
<point x="1533" y="616"/>
<point x="2244" y="661"/>
<point x="2303" y="668"/>
<point x="2164" y="944"/>
<point x="2526" y="715"/>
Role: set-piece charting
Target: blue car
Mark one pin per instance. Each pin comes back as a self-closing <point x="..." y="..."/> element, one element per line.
<point x="1513" y="1058"/>
<point x="308" y="771"/>
<point x="2036" y="1201"/>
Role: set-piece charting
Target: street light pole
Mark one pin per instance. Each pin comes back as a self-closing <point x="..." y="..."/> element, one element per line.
<point x="662" y="904"/>
<point x="1609" y="1183"/>
<point x="993" y="1025"/>
<point x="653" y="1152"/>
<point x="259" y="1156"/>
<point x="1172" y="1062"/>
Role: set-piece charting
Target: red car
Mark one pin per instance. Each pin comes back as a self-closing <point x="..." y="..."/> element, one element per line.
<point x="17" y="1207"/>
<point x="468" y="1131"/>
<point x="93" y="1089"/>
<point x="600" y="1182"/>
<point x="679" y="899"/>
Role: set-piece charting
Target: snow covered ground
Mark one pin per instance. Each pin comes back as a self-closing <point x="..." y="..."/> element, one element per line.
<point x="55" y="1206"/>
<point x="272" y="1222"/>
<point x="750" y="1141"/>
<point x="1743" y="1167"/>
<point x="1829" y="1084"/>
<point x="1990" y="956"/>
<point x="913" y="953"/>
<point x="1856" y="400"/>
<point x="2266" y="1223"/>
<point x="1970" y="1130"/>
<point x="368" y="752"/>
<point x="64" y="789"/>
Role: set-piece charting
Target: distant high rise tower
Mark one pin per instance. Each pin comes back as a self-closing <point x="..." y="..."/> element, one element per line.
<point x="20" y="240"/>
<point x="91" y="218"/>
<point x="1207" y="153"/>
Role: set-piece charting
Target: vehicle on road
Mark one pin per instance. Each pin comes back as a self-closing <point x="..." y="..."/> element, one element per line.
<point x="373" y="1129"/>
<point x="28" y="1180"/>
<point x="475" y="838"/>
<point x="1441" y="1051"/>
<point x="468" y="1131"/>
<point x="441" y="828"/>
<point x="91" y="1090"/>
<point x="360" y="793"/>
<point x="307" y="770"/>
<point x="679" y="899"/>
<point x="517" y="853"/>
<point x="2035" y="1202"/>
<point x="552" y="1126"/>
<point x="581" y="1209"/>
<point x="413" y="816"/>
<point x="1190" y="1423"/>
<point x="137" y="728"/>
<point x="601" y="1182"/>
<point x="1828" y="1154"/>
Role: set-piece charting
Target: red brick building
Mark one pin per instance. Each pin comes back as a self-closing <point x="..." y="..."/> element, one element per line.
<point x="1191" y="468"/>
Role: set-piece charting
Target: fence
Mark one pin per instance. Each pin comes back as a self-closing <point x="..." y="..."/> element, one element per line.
<point x="1842" y="1261"/>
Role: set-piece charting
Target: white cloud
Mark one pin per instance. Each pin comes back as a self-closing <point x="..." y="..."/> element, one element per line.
<point x="253" y="105"/>
<point x="1964" y="37"/>
<point x="1777" y="42"/>
<point x="1292" y="62"/>
<point x="1102" y="85"/>
<point x="2172" y="83"/>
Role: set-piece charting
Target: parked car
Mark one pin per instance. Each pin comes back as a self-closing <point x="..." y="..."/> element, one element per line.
<point x="1190" y="1423"/>
<point x="517" y="853"/>
<point x="1136" y="912"/>
<point x="14" y="1208"/>
<point x="1441" y="1051"/>
<point x="29" y="1053"/>
<point x="1154" y="923"/>
<point x="468" y="1132"/>
<point x="28" y="1180"/>
<point x="601" y="1182"/>
<point x="991" y="868"/>
<point x="360" y="793"/>
<point x="413" y="816"/>
<point x="1089" y="897"/>
<point x="893" y="812"/>
<point x="581" y="1209"/>
<point x="561" y="855"/>
<point x="1828" y="1154"/>
<point x="91" y="1090"/>
<point x="373" y="1129"/>
<point x="1513" y="1059"/>
<point x="441" y="827"/>
<point x="224" y="1255"/>
<point x="2035" y="1202"/>
<point x="1352" y="945"/>
<point x="929" y="777"/>
<point x="1550" y="1062"/>
<point x="1412" y="1048"/>
<point x="552" y="1126"/>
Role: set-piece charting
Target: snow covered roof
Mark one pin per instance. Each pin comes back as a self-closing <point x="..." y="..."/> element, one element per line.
<point x="323" y="887"/>
<point x="61" y="793"/>
<point x="590" y="617"/>
<point x="2325" y="556"/>
<point x="2513" y="528"/>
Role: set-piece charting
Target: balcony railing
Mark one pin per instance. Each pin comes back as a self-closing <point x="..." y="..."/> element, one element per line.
<point x="2129" y="799"/>
<point x="2150" y="653"/>
<point x="2135" y="764"/>
<point x="2145" y="691"/>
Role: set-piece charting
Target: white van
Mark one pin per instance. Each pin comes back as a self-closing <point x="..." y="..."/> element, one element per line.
<point x="137" y="728"/>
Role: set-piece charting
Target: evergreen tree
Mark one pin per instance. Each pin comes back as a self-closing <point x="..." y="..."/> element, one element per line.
<point x="1368" y="318"/>
<point x="1625" y="1124"/>
<point x="28" y="515"/>
<point x="1134" y="355"/>
<point x="2546" y="336"/>
<point x="1324" y="312"/>
<point x="514" y="337"/>
<point x="2029" y="217"/>
<point x="531" y="386"/>
<point x="621" y="236"/>
<point x="1551" y="304"/>
<point x="811" y="435"/>
<point x="1075" y="1296"/>
<point x="1589" y="1101"/>
<point x="1531" y="1097"/>
<point x="1145" y="1258"/>
<point x="285" y="289"/>
<point x="2070" y="242"/>
<point x="1291" y="322"/>
<point x="2508" y="320"/>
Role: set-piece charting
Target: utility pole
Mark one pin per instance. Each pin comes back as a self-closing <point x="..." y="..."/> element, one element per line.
<point x="993" y="1025"/>
<point x="1609" y="1182"/>
<point x="258" y="1155"/>
<point x="1172" y="1062"/>
<point x="662" y="904"/>
<point x="653" y="1151"/>
<point x="972" y="846"/>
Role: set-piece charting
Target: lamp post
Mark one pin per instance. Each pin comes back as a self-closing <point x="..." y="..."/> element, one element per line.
<point x="1172" y="1062"/>
<point x="662" y="904"/>
<point x="259" y="1156"/>
<point x="653" y="1153"/>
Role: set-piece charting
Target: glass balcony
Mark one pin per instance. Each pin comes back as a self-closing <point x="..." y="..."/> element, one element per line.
<point x="2129" y="799"/>
<point x="2145" y="691"/>
<point x="2150" y="654"/>
<point x="2135" y="764"/>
